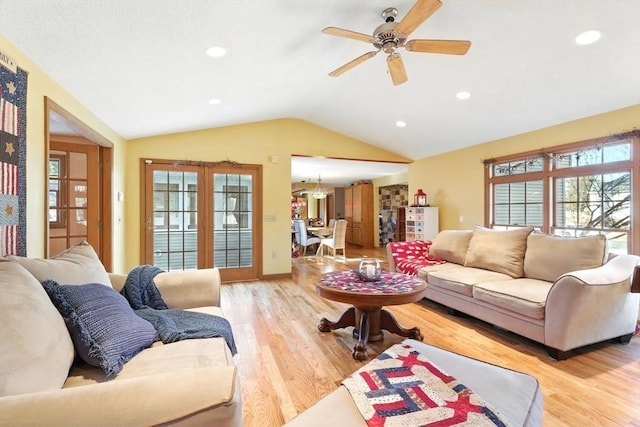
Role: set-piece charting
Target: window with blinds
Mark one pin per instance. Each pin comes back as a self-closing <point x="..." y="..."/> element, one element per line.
<point x="576" y="190"/>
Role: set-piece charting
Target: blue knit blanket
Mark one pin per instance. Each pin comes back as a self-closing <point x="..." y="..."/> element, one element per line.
<point x="171" y="325"/>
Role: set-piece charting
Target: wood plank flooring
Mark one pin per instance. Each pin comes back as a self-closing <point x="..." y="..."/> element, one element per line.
<point x="286" y="364"/>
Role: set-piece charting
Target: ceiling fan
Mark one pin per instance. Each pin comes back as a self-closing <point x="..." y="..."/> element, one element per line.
<point x="392" y="35"/>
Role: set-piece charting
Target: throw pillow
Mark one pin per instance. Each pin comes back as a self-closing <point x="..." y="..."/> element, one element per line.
<point x="36" y="351"/>
<point x="105" y="330"/>
<point x="499" y="251"/>
<point x="74" y="266"/>
<point x="451" y="245"/>
<point x="549" y="257"/>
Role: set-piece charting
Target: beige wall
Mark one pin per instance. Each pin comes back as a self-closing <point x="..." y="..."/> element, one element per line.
<point x="39" y="85"/>
<point x="454" y="181"/>
<point x="252" y="143"/>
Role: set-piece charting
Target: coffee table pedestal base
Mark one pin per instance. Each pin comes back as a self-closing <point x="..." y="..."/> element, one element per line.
<point x="368" y="323"/>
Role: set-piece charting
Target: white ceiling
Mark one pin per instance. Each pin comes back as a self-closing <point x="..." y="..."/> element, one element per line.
<point x="139" y="65"/>
<point x="339" y="172"/>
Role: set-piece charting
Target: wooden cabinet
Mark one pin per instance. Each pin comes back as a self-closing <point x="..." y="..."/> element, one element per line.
<point x="422" y="223"/>
<point x="358" y="206"/>
<point x="401" y="225"/>
<point x="348" y="213"/>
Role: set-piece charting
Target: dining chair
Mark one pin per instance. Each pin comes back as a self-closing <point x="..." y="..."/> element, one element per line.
<point x="337" y="241"/>
<point x="302" y="238"/>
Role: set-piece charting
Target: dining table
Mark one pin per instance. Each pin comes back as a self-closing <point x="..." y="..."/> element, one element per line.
<point x="322" y="233"/>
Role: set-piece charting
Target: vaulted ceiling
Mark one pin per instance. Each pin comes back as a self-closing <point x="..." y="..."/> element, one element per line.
<point x="140" y="66"/>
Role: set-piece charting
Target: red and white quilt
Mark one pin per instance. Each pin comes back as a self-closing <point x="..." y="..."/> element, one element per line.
<point x="402" y="388"/>
<point x="409" y="257"/>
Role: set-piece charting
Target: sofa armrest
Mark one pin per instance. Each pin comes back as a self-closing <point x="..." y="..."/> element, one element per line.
<point x="140" y="401"/>
<point x="183" y="289"/>
<point x="411" y="250"/>
<point x="190" y="288"/>
<point x="588" y="306"/>
<point x="390" y="260"/>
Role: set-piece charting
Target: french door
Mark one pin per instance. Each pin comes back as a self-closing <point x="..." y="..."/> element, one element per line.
<point x="201" y="216"/>
<point x="73" y="196"/>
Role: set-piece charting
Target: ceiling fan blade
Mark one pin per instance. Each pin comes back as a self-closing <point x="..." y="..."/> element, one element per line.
<point x="417" y="15"/>
<point x="396" y="68"/>
<point x="349" y="65"/>
<point x="334" y="31"/>
<point x="451" y="47"/>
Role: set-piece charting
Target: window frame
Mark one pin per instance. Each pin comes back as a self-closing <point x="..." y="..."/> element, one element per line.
<point x="550" y="174"/>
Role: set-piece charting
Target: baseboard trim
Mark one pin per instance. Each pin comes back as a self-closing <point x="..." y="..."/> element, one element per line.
<point x="277" y="276"/>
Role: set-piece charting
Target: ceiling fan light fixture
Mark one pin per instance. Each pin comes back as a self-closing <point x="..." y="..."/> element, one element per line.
<point x="392" y="35"/>
<point x="588" y="37"/>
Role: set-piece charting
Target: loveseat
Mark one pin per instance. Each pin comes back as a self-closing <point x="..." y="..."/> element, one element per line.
<point x="44" y="382"/>
<point x="562" y="292"/>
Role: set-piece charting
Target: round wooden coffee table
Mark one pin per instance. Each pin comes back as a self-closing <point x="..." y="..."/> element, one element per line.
<point x="367" y="316"/>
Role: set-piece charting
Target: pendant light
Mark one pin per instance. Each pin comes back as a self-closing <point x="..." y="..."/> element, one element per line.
<point x="319" y="192"/>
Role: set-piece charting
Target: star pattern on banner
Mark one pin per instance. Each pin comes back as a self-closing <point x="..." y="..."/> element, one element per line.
<point x="12" y="88"/>
<point x="13" y="165"/>
<point x="9" y="149"/>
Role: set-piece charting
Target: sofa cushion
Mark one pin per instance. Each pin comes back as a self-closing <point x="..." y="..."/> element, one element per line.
<point x="36" y="351"/>
<point x="526" y="297"/>
<point x="463" y="279"/>
<point x="451" y="245"/>
<point x="74" y="266"/>
<point x="105" y="330"/>
<point x="548" y="257"/>
<point x="159" y="358"/>
<point x="423" y="272"/>
<point x="499" y="251"/>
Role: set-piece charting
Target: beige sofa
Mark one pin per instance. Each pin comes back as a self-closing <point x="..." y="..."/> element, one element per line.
<point x="189" y="382"/>
<point x="565" y="293"/>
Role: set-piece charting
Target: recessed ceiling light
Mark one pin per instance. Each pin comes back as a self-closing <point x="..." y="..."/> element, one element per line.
<point x="588" y="37"/>
<point x="215" y="51"/>
<point x="215" y="101"/>
<point x="401" y="124"/>
<point x="463" y="95"/>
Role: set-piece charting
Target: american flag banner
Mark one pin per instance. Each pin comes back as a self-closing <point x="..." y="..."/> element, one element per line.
<point x="13" y="103"/>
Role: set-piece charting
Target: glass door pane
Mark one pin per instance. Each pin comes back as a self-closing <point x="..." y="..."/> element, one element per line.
<point x="232" y="220"/>
<point x="73" y="208"/>
<point x="175" y="220"/>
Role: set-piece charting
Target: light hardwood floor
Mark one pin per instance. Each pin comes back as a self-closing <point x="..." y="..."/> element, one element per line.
<point x="286" y="364"/>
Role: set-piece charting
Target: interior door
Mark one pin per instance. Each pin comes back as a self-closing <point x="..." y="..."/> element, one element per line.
<point x="73" y="196"/>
